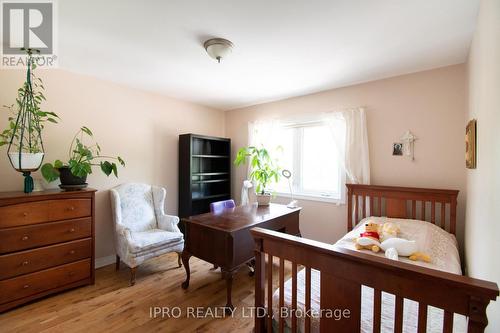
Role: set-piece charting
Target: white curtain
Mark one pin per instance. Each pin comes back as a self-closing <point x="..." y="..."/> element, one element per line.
<point x="350" y="135"/>
<point x="357" y="157"/>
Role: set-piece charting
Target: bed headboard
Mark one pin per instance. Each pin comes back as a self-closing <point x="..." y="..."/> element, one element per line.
<point x="432" y="205"/>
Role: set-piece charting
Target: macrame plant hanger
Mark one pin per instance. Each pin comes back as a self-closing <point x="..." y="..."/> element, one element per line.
<point x="26" y="135"/>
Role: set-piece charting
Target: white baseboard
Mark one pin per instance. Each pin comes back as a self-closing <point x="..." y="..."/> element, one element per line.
<point x="104" y="261"/>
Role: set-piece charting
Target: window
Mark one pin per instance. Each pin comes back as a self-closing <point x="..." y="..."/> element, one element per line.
<point x="309" y="151"/>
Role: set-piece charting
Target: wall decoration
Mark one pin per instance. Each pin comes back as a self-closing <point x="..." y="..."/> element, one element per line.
<point x="409" y="144"/>
<point x="470" y="145"/>
<point x="397" y="149"/>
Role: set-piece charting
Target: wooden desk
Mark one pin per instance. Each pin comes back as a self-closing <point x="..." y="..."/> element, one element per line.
<point x="224" y="239"/>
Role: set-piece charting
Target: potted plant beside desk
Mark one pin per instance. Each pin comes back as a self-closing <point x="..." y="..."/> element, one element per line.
<point x="264" y="171"/>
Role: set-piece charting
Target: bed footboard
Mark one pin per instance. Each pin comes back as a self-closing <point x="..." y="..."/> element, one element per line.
<point x="343" y="273"/>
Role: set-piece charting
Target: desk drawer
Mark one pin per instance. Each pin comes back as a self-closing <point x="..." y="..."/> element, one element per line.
<point x="22" y="238"/>
<point x="29" y="261"/>
<point x="34" y="283"/>
<point x="44" y="211"/>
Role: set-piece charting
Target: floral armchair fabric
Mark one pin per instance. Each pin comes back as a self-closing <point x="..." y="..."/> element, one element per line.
<point x="142" y="229"/>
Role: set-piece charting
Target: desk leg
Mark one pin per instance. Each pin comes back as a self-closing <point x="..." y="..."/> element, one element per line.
<point x="185" y="260"/>
<point x="228" y="276"/>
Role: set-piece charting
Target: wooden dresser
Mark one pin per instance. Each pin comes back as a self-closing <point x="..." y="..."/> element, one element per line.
<point x="46" y="244"/>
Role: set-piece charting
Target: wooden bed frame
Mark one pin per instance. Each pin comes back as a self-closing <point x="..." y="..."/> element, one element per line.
<point x="343" y="271"/>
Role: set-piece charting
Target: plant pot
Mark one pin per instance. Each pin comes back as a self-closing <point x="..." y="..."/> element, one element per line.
<point x="263" y="199"/>
<point x="68" y="180"/>
<point x="29" y="161"/>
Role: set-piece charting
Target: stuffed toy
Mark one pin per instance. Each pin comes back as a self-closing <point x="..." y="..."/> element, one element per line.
<point x="388" y="230"/>
<point x="385" y="237"/>
<point x="370" y="238"/>
<point x="395" y="247"/>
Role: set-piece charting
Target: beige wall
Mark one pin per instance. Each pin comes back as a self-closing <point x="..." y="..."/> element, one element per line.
<point x="141" y="127"/>
<point x="482" y="244"/>
<point x="431" y="104"/>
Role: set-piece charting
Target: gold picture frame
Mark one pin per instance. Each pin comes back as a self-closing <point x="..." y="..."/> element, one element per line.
<point x="470" y="145"/>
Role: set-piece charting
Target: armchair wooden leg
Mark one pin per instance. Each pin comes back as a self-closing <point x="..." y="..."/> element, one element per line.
<point x="117" y="267"/>
<point x="179" y="259"/>
<point x="132" y="275"/>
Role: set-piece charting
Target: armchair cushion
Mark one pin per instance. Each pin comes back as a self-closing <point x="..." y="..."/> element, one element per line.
<point x="136" y="207"/>
<point x="143" y="241"/>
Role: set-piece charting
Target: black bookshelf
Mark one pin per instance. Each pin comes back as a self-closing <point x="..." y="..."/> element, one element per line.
<point x="204" y="172"/>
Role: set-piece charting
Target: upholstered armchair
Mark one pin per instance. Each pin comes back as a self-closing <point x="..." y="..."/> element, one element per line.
<point x="142" y="229"/>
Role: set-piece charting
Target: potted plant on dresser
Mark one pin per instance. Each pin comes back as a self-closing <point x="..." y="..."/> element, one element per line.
<point x="82" y="157"/>
<point x="26" y="122"/>
<point x="264" y="171"/>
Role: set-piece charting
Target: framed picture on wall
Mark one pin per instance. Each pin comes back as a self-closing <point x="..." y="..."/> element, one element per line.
<point x="470" y="144"/>
<point x="397" y="149"/>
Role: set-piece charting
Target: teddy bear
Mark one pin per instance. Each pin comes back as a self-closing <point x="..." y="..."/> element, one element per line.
<point x="369" y="239"/>
<point x="388" y="230"/>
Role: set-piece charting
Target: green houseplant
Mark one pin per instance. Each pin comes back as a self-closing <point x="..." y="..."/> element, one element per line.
<point x="81" y="158"/>
<point x="26" y="122"/>
<point x="264" y="170"/>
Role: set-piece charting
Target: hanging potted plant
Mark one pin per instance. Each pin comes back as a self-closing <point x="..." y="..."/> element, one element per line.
<point x="264" y="171"/>
<point x="25" y="125"/>
<point x="82" y="157"/>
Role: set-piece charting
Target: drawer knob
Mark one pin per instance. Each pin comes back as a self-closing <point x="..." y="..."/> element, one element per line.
<point x="24" y="238"/>
<point x="26" y="286"/>
<point x="26" y="262"/>
<point x="25" y="214"/>
<point x="71" y="208"/>
<point x="72" y="252"/>
<point x="72" y="230"/>
<point x="71" y="273"/>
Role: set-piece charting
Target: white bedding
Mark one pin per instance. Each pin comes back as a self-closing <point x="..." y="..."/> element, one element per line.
<point x="440" y="245"/>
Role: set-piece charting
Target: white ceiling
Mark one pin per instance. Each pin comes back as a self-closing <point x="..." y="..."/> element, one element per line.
<point x="283" y="48"/>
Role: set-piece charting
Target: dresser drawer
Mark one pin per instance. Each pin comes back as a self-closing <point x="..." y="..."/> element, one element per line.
<point x="44" y="211"/>
<point x="22" y="238"/>
<point x="29" y="261"/>
<point x="34" y="283"/>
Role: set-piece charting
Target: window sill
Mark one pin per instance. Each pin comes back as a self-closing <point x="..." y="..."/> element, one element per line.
<point x="310" y="197"/>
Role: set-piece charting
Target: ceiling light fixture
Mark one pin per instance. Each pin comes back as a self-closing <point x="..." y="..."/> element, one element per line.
<point x="218" y="48"/>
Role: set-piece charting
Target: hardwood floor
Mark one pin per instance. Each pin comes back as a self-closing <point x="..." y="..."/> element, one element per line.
<point x="112" y="306"/>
